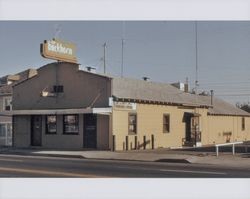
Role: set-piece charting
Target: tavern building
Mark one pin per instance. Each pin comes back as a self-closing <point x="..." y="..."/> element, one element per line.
<point x="68" y="108"/>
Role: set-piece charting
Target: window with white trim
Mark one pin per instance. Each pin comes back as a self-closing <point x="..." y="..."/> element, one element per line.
<point x="70" y="124"/>
<point x="51" y="124"/>
<point x="7" y="103"/>
<point x="132" y="123"/>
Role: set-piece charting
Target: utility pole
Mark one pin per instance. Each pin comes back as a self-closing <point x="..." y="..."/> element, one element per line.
<point x="197" y="122"/>
<point x="122" y="58"/>
<point x="123" y="30"/>
<point x="104" y="57"/>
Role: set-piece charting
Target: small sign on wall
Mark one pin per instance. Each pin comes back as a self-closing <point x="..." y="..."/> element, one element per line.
<point x="125" y="105"/>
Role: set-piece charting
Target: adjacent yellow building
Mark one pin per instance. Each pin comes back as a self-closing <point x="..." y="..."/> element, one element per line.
<point x="182" y="119"/>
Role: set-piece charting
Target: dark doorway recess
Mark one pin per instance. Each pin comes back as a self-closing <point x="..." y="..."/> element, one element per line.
<point x="36" y="130"/>
<point x="90" y="130"/>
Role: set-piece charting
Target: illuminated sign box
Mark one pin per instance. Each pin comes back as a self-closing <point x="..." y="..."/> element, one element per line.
<point x="59" y="50"/>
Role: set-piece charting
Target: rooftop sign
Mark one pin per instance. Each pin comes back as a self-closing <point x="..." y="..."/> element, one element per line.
<point x="58" y="50"/>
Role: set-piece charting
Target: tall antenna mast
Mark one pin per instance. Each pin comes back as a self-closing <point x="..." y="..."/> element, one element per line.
<point x="123" y="30"/>
<point x="196" y="59"/>
<point x="58" y="30"/>
<point x="104" y="57"/>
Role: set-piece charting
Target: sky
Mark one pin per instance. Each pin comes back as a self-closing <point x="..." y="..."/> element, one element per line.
<point x="164" y="51"/>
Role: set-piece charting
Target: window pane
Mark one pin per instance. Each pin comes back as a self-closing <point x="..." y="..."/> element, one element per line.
<point x="9" y="130"/>
<point x="2" y="130"/>
<point x="243" y="124"/>
<point x="7" y="104"/>
<point x="132" y="123"/>
<point x="71" y="124"/>
<point x="51" y="124"/>
<point x="166" y="123"/>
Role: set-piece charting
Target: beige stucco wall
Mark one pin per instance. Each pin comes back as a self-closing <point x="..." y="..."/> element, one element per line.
<point x="103" y="132"/>
<point x="217" y="125"/>
<point x="150" y="121"/>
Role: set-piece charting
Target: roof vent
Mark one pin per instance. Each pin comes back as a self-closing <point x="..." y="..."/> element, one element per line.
<point x="91" y="69"/>
<point x="212" y="96"/>
<point x="181" y="86"/>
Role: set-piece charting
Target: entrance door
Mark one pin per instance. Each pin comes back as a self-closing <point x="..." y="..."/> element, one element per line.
<point x="36" y="130"/>
<point x="193" y="134"/>
<point x="89" y="138"/>
<point x="195" y="130"/>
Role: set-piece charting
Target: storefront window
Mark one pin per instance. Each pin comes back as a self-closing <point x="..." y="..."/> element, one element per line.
<point x="51" y="124"/>
<point x="70" y="124"/>
<point x="132" y="123"/>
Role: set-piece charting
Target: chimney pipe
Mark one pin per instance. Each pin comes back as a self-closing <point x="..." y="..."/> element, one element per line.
<point x="212" y="96"/>
<point x="186" y="85"/>
<point x="91" y="69"/>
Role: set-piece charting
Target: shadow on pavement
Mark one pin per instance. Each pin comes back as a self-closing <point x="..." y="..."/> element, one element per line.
<point x="246" y="155"/>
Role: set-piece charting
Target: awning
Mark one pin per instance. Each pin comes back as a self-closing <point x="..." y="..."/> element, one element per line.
<point x="104" y="111"/>
<point x="191" y="114"/>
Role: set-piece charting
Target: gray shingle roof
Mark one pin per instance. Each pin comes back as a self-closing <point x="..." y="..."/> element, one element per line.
<point x="126" y="88"/>
<point x="23" y="75"/>
<point x="223" y="108"/>
<point x="6" y="89"/>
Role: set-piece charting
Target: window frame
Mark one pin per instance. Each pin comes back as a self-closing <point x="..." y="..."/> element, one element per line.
<point x="46" y="123"/>
<point x="5" y="130"/>
<point x="166" y="130"/>
<point x="243" y="124"/>
<point x="5" y="104"/>
<point x="64" y="124"/>
<point x="58" y="89"/>
<point x="134" y="124"/>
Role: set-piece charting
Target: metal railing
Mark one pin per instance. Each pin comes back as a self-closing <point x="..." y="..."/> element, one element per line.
<point x="227" y="144"/>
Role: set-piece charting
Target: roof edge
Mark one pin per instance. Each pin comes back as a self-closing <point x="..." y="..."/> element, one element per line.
<point x="158" y="102"/>
<point x="237" y="115"/>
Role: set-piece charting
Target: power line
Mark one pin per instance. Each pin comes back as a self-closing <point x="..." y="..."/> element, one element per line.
<point x="196" y="58"/>
<point x="123" y="30"/>
<point x="236" y="95"/>
<point x="104" y="57"/>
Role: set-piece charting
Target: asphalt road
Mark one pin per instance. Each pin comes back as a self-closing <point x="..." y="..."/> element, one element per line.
<point x="36" y="166"/>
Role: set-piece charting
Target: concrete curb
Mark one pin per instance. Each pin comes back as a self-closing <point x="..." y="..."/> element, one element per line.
<point x="166" y="160"/>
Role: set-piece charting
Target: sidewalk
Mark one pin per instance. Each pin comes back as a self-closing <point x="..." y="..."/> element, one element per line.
<point x="168" y="156"/>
